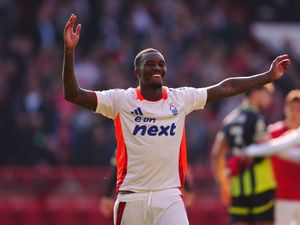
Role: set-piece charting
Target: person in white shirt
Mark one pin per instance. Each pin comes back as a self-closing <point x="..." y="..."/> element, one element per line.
<point x="149" y="121"/>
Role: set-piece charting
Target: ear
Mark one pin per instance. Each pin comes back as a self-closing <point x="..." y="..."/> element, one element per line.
<point x="137" y="72"/>
<point x="286" y="110"/>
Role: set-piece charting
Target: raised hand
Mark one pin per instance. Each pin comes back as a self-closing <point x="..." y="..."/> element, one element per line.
<point x="279" y="66"/>
<point x="70" y="38"/>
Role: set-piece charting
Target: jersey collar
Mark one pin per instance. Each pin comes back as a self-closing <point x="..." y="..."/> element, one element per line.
<point x="139" y="95"/>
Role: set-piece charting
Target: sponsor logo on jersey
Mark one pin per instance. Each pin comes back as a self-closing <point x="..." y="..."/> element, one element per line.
<point x="154" y="130"/>
<point x="139" y="119"/>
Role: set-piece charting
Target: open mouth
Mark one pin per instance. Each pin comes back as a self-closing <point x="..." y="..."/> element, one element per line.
<point x="156" y="75"/>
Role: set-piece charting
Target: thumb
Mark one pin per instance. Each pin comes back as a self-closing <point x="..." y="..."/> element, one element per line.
<point x="78" y="29"/>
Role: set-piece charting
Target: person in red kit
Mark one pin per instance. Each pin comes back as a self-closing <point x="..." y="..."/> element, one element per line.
<point x="287" y="166"/>
<point x="284" y="147"/>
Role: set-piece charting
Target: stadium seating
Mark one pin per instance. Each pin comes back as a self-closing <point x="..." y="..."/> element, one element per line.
<point x="70" y="196"/>
<point x="20" y="210"/>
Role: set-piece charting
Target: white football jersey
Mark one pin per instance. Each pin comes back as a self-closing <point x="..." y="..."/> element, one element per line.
<point x="151" y="152"/>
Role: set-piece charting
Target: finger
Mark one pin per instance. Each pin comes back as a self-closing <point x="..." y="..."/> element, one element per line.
<point x="78" y="29"/>
<point x="70" y="22"/>
<point x="283" y="56"/>
<point x="285" y="62"/>
<point x="280" y="58"/>
<point x="72" y="19"/>
<point x="285" y="66"/>
<point x="68" y="25"/>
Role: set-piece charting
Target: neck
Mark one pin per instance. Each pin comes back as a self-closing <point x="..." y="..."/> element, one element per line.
<point x="291" y="124"/>
<point x="254" y="104"/>
<point x="151" y="94"/>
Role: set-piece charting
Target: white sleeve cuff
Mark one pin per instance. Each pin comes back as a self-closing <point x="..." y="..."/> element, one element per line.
<point x="292" y="155"/>
<point x="274" y="146"/>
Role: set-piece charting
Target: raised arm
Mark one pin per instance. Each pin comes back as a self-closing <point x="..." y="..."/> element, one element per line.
<point x="274" y="146"/>
<point x="236" y="85"/>
<point x="292" y="155"/>
<point x="72" y="91"/>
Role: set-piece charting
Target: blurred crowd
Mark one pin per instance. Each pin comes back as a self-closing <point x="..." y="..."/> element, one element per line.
<point x="203" y="41"/>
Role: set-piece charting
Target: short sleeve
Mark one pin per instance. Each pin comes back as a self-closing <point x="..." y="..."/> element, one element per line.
<point x="109" y="102"/>
<point x="194" y="98"/>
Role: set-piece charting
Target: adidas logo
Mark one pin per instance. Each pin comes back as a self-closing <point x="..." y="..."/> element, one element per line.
<point x="137" y="111"/>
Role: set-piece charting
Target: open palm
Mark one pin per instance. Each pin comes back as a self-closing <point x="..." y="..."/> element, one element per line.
<point x="71" y="38"/>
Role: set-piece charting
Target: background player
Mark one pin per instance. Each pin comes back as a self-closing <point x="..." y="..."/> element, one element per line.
<point x="285" y="160"/>
<point x="149" y="193"/>
<point x="287" y="172"/>
<point x="252" y="184"/>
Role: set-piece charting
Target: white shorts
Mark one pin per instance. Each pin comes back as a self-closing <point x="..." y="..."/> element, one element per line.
<point x="151" y="208"/>
<point x="287" y="212"/>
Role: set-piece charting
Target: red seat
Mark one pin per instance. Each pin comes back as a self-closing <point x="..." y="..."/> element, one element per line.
<point x="208" y="211"/>
<point x="21" y="210"/>
<point x="74" y="210"/>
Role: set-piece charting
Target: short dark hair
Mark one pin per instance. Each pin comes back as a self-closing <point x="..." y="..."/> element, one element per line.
<point x="138" y="57"/>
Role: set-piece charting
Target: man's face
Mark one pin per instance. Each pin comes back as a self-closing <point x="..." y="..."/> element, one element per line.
<point x="292" y="112"/>
<point x="265" y="98"/>
<point x="152" y="70"/>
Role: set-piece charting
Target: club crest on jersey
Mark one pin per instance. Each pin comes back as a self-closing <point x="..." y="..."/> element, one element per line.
<point x="173" y="109"/>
